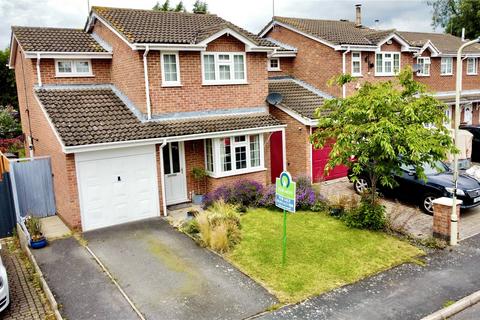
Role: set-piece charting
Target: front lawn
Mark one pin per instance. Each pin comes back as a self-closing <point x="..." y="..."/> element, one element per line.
<point x="322" y="253"/>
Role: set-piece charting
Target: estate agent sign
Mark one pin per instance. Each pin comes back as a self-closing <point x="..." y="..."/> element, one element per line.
<point x="285" y="199"/>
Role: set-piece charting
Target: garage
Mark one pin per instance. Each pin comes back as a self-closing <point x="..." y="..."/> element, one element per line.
<point x="319" y="161"/>
<point x="117" y="186"/>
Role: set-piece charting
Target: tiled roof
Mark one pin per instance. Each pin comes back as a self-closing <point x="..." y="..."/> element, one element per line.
<point x="148" y="26"/>
<point x="333" y="31"/>
<point x="446" y="43"/>
<point x="97" y="115"/>
<point x="297" y="96"/>
<point x="56" y="40"/>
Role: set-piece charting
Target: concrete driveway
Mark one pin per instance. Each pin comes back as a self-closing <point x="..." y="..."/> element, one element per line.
<point x="167" y="276"/>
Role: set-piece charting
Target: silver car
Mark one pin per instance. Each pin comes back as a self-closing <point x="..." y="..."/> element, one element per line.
<point x="4" y="293"/>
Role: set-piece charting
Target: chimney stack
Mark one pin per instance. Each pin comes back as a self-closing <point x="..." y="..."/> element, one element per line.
<point x="358" y="15"/>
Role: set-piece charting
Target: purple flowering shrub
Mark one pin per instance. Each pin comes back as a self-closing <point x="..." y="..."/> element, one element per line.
<point x="268" y="198"/>
<point x="305" y="195"/>
<point x="245" y="193"/>
<point x="221" y="193"/>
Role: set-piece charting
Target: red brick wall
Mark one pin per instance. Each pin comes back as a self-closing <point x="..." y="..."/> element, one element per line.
<point x="126" y="67"/>
<point x="213" y="183"/>
<point x="286" y="68"/>
<point x="100" y="68"/>
<point x="193" y="96"/>
<point x="298" y="144"/>
<point x="194" y="158"/>
<point x="47" y="144"/>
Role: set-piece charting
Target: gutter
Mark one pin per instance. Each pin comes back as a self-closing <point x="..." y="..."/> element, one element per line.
<point x="147" y="84"/>
<point x="344" y="71"/>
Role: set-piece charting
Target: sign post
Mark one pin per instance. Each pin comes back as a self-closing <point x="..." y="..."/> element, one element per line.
<point x="285" y="199"/>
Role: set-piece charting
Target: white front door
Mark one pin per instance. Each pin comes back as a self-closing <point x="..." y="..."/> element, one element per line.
<point x="174" y="170"/>
<point x="467" y="115"/>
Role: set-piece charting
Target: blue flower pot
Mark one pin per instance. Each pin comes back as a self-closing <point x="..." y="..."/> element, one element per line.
<point x="38" y="244"/>
<point x="197" y="199"/>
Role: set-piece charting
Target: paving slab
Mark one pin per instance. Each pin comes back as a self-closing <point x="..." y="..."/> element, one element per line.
<point x="168" y="276"/>
<point x="80" y="287"/>
<point x="409" y="291"/>
<point x="471" y="313"/>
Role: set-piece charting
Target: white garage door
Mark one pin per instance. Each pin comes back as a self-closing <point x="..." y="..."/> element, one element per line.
<point x="117" y="186"/>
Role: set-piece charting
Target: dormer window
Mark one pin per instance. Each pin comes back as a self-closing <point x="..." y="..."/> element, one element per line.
<point x="224" y="68"/>
<point x="73" y="68"/>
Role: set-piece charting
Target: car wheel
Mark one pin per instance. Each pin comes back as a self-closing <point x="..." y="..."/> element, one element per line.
<point x="361" y="185"/>
<point x="427" y="203"/>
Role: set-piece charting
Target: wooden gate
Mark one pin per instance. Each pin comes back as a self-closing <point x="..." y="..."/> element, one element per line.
<point x="7" y="207"/>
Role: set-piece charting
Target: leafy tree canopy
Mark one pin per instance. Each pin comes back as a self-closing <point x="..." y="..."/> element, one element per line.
<point x="9" y="126"/>
<point x="200" y="7"/>
<point x="8" y="89"/>
<point x="166" y="7"/>
<point x="383" y="126"/>
<point x="453" y="15"/>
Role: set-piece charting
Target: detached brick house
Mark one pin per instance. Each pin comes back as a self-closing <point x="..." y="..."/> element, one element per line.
<point x="128" y="106"/>
<point x="313" y="51"/>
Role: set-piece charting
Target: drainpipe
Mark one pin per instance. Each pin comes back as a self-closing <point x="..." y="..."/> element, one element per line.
<point x="458" y="90"/>
<point x="39" y="76"/>
<point x="162" y="178"/>
<point x="147" y="84"/>
<point x="311" y="156"/>
<point x="284" y="150"/>
<point x="344" y="71"/>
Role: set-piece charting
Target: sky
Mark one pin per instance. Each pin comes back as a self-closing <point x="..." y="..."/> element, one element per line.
<point x="406" y="15"/>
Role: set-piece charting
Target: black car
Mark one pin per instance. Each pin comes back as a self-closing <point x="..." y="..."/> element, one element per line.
<point x="475" y="130"/>
<point x="438" y="184"/>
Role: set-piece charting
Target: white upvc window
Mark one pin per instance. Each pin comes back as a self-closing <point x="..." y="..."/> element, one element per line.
<point x="73" y="68"/>
<point x="224" y="68"/>
<point x="274" y="64"/>
<point x="387" y="63"/>
<point x="170" y="65"/>
<point x="446" y="66"/>
<point x="472" y="66"/>
<point x="234" y="155"/>
<point x="424" y="63"/>
<point x="356" y="64"/>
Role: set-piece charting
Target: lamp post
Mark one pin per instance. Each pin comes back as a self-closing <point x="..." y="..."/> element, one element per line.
<point x="458" y="90"/>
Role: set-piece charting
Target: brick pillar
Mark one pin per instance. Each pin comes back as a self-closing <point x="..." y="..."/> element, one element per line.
<point x="442" y="211"/>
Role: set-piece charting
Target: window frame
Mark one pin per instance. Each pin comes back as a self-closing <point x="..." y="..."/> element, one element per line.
<point x="475" y="64"/>
<point x="166" y="83"/>
<point x="270" y="68"/>
<point x="442" y="60"/>
<point x="217" y="64"/>
<point x="216" y="143"/>
<point x="421" y="73"/>
<point x="356" y="59"/>
<point x="74" y="72"/>
<point x="392" y="60"/>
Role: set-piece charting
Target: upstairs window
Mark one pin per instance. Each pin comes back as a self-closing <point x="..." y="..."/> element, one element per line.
<point x="224" y="68"/>
<point x="387" y="63"/>
<point x="472" y="66"/>
<point x="273" y="64"/>
<point x="356" y="64"/>
<point x="170" y="69"/>
<point x="446" y="68"/>
<point x="424" y="63"/>
<point x="73" y="68"/>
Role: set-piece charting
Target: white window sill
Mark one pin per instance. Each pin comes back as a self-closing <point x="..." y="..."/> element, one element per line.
<point x="171" y="85"/>
<point x="446" y="74"/>
<point x="359" y="75"/>
<point x="472" y="74"/>
<point x="234" y="173"/>
<point x="224" y="83"/>
<point x="277" y="69"/>
<point x="386" y="74"/>
<point x="75" y="75"/>
<point x="423" y="75"/>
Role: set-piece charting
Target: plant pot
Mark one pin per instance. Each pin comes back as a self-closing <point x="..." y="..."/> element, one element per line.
<point x="197" y="198"/>
<point x="38" y="244"/>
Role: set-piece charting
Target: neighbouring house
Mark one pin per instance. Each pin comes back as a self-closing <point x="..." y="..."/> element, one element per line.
<point x="314" y="51"/>
<point x="129" y="105"/>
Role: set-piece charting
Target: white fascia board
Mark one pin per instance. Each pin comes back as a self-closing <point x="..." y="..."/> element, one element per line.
<point x="267" y="28"/>
<point x="13" y="51"/>
<point x="429" y="45"/>
<point x="279" y="54"/>
<point x="50" y="122"/>
<point x="94" y="16"/>
<point x="250" y="46"/>
<point x="131" y="143"/>
<point x="303" y="120"/>
<point x="286" y="26"/>
<point x="454" y="55"/>
<point x="169" y="47"/>
<point x="397" y="38"/>
<point x="357" y="48"/>
<point x="68" y="55"/>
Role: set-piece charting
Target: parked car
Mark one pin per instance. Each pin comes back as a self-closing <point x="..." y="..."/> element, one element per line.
<point x="4" y="292"/>
<point x="475" y="130"/>
<point x="438" y="184"/>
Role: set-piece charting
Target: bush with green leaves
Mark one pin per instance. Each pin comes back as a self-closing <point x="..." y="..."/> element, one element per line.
<point x="366" y="215"/>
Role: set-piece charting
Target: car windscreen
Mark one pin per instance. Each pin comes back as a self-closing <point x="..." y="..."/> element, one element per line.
<point x="439" y="167"/>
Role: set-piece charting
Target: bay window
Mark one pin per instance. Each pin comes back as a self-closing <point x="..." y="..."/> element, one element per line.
<point x="387" y="63"/>
<point x="424" y="63"/>
<point x="73" y="68"/>
<point x="472" y="66"/>
<point x="234" y="155"/>
<point x="224" y="68"/>
<point x="446" y="66"/>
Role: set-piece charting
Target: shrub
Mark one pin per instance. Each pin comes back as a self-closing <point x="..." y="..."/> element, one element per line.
<point x="305" y="195"/>
<point x="244" y="193"/>
<point x="190" y="227"/>
<point x="268" y="198"/>
<point x="366" y="215"/>
<point x="221" y="193"/>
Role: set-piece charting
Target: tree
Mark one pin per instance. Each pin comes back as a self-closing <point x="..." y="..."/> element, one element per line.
<point x="453" y="15"/>
<point x="200" y="7"/>
<point x="383" y="126"/>
<point x="8" y="89"/>
<point x="180" y="7"/>
<point x="166" y="7"/>
<point x="9" y="126"/>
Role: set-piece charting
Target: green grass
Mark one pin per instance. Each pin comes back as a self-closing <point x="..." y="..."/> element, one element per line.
<point x="322" y="253"/>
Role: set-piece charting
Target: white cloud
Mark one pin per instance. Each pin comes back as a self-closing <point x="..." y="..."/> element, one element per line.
<point x="411" y="15"/>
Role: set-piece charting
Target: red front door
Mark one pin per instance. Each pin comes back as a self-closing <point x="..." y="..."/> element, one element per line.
<point x="276" y="155"/>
